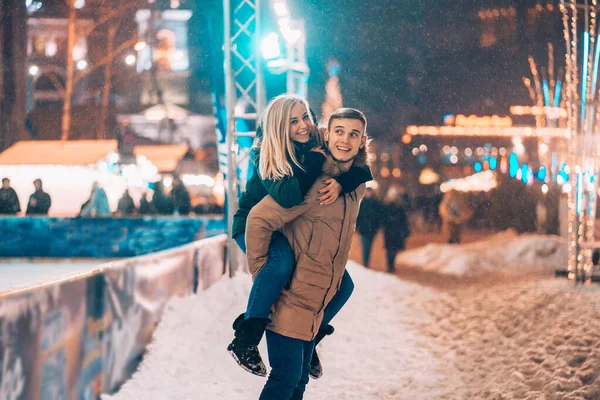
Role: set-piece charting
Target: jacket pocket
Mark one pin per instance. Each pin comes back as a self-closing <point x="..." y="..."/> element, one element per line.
<point x="316" y="239"/>
<point x="310" y="283"/>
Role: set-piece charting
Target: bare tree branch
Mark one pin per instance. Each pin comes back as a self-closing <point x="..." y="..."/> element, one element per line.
<point x="107" y="59"/>
<point x="90" y="94"/>
<point x="56" y="83"/>
<point x="110" y="15"/>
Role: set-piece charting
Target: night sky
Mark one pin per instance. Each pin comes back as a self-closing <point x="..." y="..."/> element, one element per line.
<point x="409" y="62"/>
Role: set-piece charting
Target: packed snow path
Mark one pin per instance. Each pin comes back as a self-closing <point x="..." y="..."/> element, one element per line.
<point x="516" y="336"/>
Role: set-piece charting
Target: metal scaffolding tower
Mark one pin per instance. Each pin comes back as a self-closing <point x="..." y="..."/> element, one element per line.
<point x="244" y="95"/>
<point x="245" y="87"/>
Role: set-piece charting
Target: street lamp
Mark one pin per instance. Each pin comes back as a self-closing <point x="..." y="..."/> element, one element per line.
<point x="81" y="65"/>
<point x="270" y="46"/>
<point x="130" y="59"/>
<point x="293" y="63"/>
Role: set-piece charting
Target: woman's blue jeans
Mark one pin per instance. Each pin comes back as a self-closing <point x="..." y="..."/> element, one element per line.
<point x="290" y="365"/>
<point x="275" y="275"/>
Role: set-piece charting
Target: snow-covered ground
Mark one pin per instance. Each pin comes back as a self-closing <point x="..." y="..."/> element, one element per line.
<point x="504" y="252"/>
<point x="19" y="273"/>
<point x="527" y="336"/>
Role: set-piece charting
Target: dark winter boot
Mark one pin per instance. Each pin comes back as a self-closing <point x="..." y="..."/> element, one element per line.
<point x="316" y="370"/>
<point x="243" y="348"/>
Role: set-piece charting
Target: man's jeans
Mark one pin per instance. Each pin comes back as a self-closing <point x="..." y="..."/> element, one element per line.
<point x="290" y="365"/>
<point x="275" y="275"/>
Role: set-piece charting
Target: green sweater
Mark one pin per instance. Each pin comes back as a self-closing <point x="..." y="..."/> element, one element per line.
<point x="290" y="191"/>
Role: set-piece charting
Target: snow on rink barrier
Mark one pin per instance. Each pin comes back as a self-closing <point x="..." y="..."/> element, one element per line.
<point x="102" y="237"/>
<point x="78" y="337"/>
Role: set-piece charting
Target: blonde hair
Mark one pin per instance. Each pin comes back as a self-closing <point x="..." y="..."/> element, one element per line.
<point x="276" y="145"/>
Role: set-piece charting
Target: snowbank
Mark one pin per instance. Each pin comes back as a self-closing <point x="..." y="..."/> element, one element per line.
<point x="503" y="252"/>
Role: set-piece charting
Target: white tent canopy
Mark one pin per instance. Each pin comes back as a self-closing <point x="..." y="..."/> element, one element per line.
<point x="68" y="169"/>
<point x="170" y="111"/>
<point x="58" y="152"/>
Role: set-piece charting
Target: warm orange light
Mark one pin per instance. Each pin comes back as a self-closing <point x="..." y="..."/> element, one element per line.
<point x="406" y="138"/>
<point x="396" y="173"/>
<point x="139" y="46"/>
<point x="384" y="172"/>
<point x="521" y="131"/>
<point x="504" y="165"/>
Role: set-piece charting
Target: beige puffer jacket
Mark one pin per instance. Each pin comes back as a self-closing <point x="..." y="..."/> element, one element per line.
<point x="321" y="237"/>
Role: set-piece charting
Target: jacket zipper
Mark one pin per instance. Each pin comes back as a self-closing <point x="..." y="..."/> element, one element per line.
<point x="344" y="226"/>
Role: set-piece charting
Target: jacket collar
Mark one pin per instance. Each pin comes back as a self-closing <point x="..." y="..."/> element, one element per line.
<point x="332" y="167"/>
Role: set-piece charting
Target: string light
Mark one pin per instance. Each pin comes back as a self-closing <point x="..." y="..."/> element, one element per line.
<point x="524" y="131"/>
<point x="550" y="112"/>
<point x="478" y="182"/>
<point x="583" y="118"/>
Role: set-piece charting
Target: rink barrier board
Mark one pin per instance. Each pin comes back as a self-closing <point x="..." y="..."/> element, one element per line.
<point x="78" y="337"/>
<point x="101" y="237"/>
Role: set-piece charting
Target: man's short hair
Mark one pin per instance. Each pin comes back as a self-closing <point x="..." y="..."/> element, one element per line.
<point x="5" y="180"/>
<point x="347" y="113"/>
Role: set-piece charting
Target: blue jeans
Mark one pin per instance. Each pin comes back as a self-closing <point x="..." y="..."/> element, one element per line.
<point x="275" y="275"/>
<point x="290" y="366"/>
<point x="367" y="242"/>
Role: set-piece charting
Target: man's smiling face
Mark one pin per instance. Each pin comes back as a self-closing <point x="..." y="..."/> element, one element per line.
<point x="345" y="138"/>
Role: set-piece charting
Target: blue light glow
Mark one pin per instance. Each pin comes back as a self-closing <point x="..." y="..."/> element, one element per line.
<point x="542" y="173"/>
<point x="586" y="52"/>
<point x="595" y="73"/>
<point x="493" y="163"/>
<point x="546" y="89"/>
<point x="525" y="173"/>
<point x="557" y="92"/>
<point x="477" y="166"/>
<point x="513" y="165"/>
<point x="563" y="173"/>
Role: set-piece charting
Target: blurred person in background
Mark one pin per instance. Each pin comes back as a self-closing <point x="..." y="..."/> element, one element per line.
<point x="368" y="223"/>
<point x="162" y="202"/>
<point x="181" y="198"/>
<point x="146" y="207"/>
<point x="396" y="228"/>
<point x="9" y="201"/>
<point x="455" y="212"/>
<point x="126" y="206"/>
<point x="39" y="202"/>
<point x="97" y="204"/>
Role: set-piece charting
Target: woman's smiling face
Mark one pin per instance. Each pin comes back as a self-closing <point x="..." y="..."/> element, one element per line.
<point x="300" y="124"/>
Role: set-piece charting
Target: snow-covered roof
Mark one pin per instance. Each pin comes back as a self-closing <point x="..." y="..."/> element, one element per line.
<point x="162" y="111"/>
<point x="165" y="157"/>
<point x="61" y="152"/>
